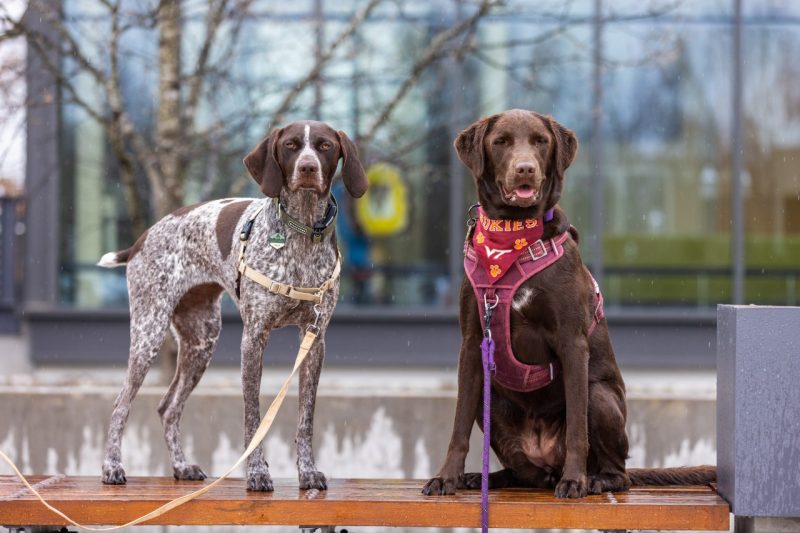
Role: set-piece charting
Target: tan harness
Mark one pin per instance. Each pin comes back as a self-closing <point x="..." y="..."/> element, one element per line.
<point x="307" y="294"/>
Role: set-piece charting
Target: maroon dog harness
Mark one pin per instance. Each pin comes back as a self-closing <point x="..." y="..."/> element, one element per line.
<point x="499" y="293"/>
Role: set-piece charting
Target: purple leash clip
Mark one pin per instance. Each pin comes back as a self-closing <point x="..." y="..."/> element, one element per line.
<point x="487" y="355"/>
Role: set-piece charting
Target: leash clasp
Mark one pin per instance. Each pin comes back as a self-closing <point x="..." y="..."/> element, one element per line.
<point x="487" y="316"/>
<point x="315" y="326"/>
<point x="472" y="215"/>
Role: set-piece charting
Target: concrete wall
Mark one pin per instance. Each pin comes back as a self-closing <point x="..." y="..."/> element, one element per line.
<point x="401" y="432"/>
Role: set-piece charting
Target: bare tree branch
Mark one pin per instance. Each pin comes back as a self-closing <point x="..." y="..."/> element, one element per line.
<point x="127" y="167"/>
<point x="73" y="49"/>
<point x="426" y="59"/>
<point x="321" y="61"/>
<point x="214" y="19"/>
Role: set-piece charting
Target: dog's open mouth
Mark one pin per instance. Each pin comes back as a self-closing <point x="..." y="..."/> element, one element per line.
<point x="524" y="194"/>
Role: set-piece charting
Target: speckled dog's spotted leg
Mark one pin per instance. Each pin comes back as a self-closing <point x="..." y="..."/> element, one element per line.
<point x="309" y="476"/>
<point x="149" y="322"/>
<point x="254" y="340"/>
<point x="196" y="324"/>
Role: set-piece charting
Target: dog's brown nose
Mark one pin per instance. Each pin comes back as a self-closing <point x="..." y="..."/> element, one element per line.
<point x="307" y="169"/>
<point x="525" y="169"/>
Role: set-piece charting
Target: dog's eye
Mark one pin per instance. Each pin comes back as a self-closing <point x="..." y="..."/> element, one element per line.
<point x="540" y="140"/>
<point x="291" y="145"/>
<point x="325" y="145"/>
<point x="500" y="141"/>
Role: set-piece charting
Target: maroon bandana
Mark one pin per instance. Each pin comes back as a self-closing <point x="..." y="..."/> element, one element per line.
<point x="499" y="243"/>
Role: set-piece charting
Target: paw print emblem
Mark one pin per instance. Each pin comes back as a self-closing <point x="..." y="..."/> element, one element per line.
<point x="479" y="238"/>
<point x="519" y="244"/>
<point x="494" y="271"/>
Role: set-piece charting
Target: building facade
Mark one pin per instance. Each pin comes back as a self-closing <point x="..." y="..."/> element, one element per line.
<point x="688" y="118"/>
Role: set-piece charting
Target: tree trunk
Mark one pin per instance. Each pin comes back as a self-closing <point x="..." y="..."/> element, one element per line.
<point x="169" y="127"/>
<point x="169" y="196"/>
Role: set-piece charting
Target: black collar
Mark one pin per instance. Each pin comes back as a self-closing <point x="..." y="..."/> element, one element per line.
<point x="321" y="228"/>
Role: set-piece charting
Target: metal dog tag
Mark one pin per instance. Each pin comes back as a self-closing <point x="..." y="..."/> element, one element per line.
<point x="277" y="240"/>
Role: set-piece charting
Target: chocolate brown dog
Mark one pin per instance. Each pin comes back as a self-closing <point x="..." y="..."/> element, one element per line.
<point x="569" y="435"/>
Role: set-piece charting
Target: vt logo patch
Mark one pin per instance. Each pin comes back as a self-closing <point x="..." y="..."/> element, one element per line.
<point x="494" y="253"/>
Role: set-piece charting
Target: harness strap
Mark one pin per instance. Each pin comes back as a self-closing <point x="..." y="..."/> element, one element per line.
<point x="306" y="294"/>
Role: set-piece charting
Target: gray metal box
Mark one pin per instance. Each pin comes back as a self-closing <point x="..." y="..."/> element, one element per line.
<point x="758" y="409"/>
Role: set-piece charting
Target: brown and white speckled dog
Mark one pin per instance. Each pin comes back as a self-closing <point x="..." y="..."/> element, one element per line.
<point x="179" y="268"/>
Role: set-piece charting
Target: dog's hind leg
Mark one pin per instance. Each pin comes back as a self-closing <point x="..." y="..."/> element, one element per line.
<point x="608" y="442"/>
<point x="149" y="322"/>
<point x="196" y="324"/>
<point x="308" y="475"/>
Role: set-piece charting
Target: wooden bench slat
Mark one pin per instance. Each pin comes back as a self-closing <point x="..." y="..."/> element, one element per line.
<point x="360" y="502"/>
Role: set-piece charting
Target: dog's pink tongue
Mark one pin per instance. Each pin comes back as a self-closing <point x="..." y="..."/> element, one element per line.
<point x="526" y="191"/>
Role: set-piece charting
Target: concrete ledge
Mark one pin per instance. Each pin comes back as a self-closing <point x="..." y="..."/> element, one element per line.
<point x="394" y="435"/>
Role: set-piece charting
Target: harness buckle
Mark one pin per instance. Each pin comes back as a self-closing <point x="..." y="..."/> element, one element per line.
<point x="246" y="229"/>
<point x="317" y="232"/>
<point x="541" y="250"/>
<point x="279" y="288"/>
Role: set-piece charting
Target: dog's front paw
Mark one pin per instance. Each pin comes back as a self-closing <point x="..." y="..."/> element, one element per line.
<point x="571" y="487"/>
<point x="313" y="479"/>
<point x="259" y="481"/>
<point x="114" y="474"/>
<point x="599" y="483"/>
<point x="440" y="486"/>
<point x="188" y="472"/>
<point x="472" y="480"/>
<point x="497" y="480"/>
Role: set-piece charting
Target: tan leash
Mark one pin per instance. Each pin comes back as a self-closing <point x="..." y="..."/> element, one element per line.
<point x="261" y="432"/>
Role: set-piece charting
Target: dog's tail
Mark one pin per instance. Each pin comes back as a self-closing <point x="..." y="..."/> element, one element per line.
<point x="683" y="475"/>
<point x="115" y="259"/>
<point x="121" y="258"/>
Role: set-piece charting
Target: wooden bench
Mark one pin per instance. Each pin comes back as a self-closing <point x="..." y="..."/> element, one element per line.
<point x="358" y="502"/>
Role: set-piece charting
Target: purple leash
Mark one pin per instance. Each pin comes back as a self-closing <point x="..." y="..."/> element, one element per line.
<point x="487" y="355"/>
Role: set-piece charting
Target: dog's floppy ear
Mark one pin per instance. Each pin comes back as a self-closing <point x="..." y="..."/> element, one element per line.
<point x="564" y="150"/>
<point x="469" y="145"/>
<point x="262" y="164"/>
<point x="355" y="180"/>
